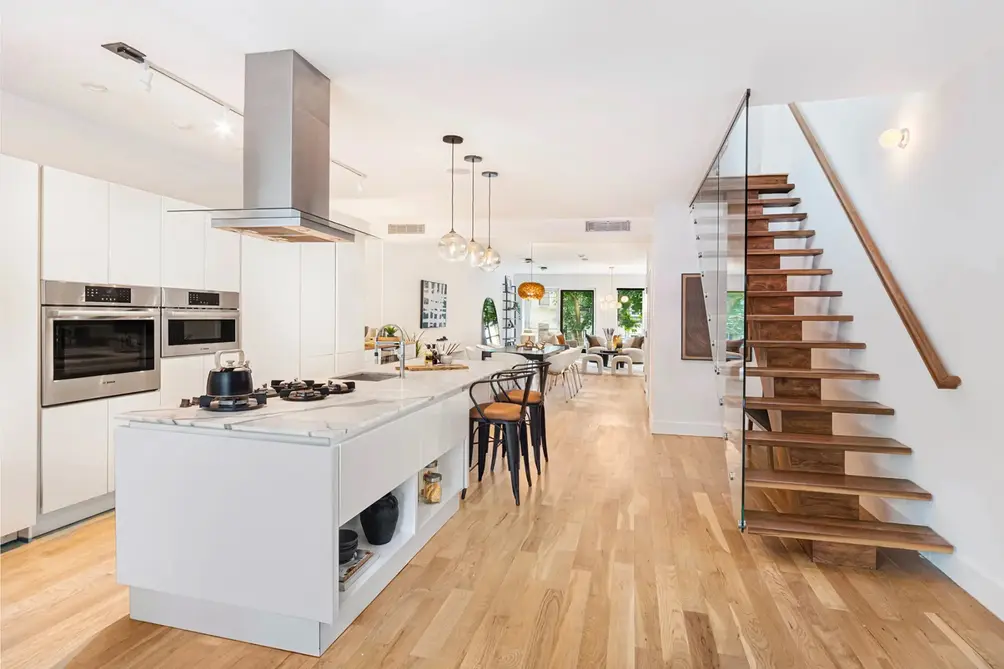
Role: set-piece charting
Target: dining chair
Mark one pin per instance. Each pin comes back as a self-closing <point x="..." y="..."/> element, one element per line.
<point x="536" y="409"/>
<point x="511" y="416"/>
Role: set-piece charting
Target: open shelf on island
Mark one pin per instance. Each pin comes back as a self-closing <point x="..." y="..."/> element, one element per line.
<point x="407" y="498"/>
<point x="451" y="466"/>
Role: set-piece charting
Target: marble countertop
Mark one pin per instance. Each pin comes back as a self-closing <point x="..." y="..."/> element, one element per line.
<point x="333" y="419"/>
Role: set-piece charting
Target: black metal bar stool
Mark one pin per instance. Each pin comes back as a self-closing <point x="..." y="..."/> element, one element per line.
<point x="510" y="416"/>
<point x="535" y="408"/>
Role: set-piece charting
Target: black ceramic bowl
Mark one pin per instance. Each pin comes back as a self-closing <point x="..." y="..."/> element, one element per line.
<point x="348" y="540"/>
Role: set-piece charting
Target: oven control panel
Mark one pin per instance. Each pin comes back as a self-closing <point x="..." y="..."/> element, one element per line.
<point x="113" y="294"/>
<point x="203" y="299"/>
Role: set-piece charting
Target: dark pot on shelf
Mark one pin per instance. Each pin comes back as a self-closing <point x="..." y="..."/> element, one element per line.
<point x="379" y="520"/>
<point x="347" y="543"/>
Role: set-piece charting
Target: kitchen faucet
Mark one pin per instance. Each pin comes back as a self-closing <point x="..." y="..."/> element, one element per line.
<point x="378" y="345"/>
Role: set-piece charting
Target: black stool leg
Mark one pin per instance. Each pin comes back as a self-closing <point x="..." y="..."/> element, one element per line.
<point x="542" y="429"/>
<point x="512" y="448"/>
<point x="534" y="436"/>
<point x="524" y="445"/>
<point x="496" y="440"/>
<point x="482" y="449"/>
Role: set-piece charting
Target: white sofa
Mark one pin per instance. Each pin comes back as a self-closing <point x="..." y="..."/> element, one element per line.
<point x="637" y="355"/>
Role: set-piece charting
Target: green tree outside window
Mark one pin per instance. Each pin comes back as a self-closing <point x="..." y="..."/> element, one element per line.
<point x="629" y="313"/>
<point x="735" y="318"/>
<point x="576" y="314"/>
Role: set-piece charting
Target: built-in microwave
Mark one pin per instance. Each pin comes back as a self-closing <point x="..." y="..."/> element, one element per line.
<point x="98" y="341"/>
<point x="194" y="322"/>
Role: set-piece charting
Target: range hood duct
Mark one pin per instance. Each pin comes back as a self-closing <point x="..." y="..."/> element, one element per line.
<point x="287" y="145"/>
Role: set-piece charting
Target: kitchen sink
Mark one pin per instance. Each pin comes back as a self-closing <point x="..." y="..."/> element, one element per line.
<point x="367" y="376"/>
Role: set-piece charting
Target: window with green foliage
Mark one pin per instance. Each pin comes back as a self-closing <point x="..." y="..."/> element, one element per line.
<point x="576" y="314"/>
<point x="735" y="305"/>
<point x="629" y="311"/>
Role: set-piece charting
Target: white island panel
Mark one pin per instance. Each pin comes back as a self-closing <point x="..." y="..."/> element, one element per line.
<point x="245" y="522"/>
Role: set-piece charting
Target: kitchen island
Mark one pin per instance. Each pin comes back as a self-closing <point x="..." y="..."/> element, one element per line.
<point x="227" y="523"/>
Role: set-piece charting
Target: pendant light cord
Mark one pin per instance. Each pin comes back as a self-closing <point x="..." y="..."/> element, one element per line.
<point x="472" y="199"/>
<point x="453" y="182"/>
<point x="489" y="213"/>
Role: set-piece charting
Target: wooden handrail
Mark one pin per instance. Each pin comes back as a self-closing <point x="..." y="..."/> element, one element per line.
<point x="925" y="348"/>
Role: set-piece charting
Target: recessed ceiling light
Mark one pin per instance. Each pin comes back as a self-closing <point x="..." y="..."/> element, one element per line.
<point x="182" y="125"/>
<point x="94" y="88"/>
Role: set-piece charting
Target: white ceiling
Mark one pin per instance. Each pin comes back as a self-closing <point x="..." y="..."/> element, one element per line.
<point x="587" y="108"/>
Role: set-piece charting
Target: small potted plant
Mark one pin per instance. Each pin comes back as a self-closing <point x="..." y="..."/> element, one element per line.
<point x="389" y="333"/>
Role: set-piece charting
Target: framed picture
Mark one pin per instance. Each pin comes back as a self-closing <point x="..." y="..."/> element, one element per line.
<point x="695" y="337"/>
<point x="433" y="305"/>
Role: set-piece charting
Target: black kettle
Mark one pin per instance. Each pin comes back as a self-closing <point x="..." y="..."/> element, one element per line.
<point x="230" y="379"/>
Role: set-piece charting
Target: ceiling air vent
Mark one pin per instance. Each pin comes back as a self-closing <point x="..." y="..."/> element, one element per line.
<point x="622" y="225"/>
<point x="406" y="229"/>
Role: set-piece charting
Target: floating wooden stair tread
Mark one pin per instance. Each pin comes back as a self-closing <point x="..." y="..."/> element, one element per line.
<point x="796" y="216"/>
<point x="795" y="373"/>
<point x="836" y="484"/>
<point x="770" y="188"/>
<point x="785" y="252"/>
<point x="789" y="272"/>
<point x="815" y="405"/>
<point x="780" y="234"/>
<point x="828" y="442"/>
<point x="789" y="318"/>
<point x="843" y="531"/>
<point x="775" y="202"/>
<point x="805" y="343"/>
<point x="794" y="293"/>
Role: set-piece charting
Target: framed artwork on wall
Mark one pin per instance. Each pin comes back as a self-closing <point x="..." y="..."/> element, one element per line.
<point x="433" y="305"/>
<point x="695" y="337"/>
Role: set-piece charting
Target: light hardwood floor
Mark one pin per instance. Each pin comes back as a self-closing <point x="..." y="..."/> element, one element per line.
<point x="624" y="554"/>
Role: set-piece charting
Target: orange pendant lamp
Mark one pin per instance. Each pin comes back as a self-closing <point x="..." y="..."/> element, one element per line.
<point x="530" y="290"/>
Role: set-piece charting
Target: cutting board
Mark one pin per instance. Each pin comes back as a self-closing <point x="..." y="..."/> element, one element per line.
<point x="433" y="368"/>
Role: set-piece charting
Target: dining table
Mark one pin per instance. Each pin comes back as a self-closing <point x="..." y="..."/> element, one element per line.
<point x="530" y="353"/>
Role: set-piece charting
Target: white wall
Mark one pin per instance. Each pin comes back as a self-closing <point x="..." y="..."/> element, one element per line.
<point x="682" y="395"/>
<point x="598" y="283"/>
<point x="932" y="209"/>
<point x="404" y="267"/>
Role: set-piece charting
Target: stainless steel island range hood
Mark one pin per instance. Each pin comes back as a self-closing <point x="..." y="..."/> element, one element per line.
<point x="286" y="153"/>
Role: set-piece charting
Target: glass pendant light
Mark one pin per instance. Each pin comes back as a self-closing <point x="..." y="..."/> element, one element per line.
<point x="609" y="301"/>
<point x="452" y="246"/>
<point x="475" y="251"/>
<point x="492" y="257"/>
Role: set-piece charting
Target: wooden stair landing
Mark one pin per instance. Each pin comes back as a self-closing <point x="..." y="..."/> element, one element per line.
<point x="835" y="530"/>
<point x="836" y="484"/>
<point x="811" y="404"/>
<point x="828" y="442"/>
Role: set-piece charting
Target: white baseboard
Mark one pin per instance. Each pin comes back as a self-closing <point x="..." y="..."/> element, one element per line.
<point x="54" y="520"/>
<point x="986" y="590"/>
<point x="686" y="429"/>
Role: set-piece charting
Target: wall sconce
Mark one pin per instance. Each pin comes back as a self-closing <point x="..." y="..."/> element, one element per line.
<point x="894" y="137"/>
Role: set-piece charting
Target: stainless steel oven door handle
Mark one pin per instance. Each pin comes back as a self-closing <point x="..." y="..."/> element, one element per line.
<point x="200" y="315"/>
<point x="103" y="314"/>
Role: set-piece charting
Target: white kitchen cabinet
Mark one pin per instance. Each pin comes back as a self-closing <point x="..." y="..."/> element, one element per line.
<point x="183" y="246"/>
<point x="134" y="230"/>
<point x="19" y="343"/>
<point x="74" y="453"/>
<point x="118" y="406"/>
<point x="74" y="227"/>
<point x="350" y="298"/>
<point x="270" y="308"/>
<point x="317" y="311"/>
<point x="223" y="259"/>
<point x="184" y="376"/>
